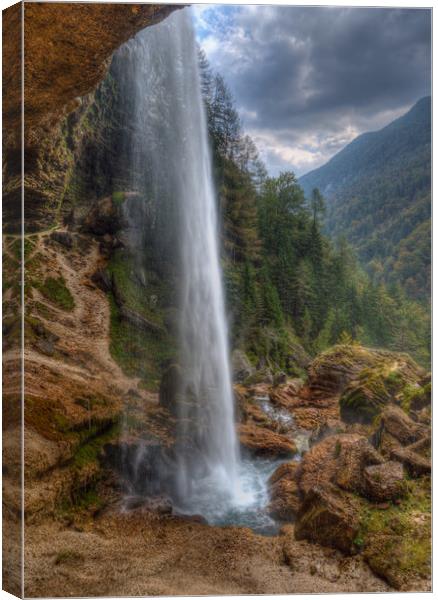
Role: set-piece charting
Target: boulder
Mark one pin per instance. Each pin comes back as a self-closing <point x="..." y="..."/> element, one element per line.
<point x="384" y="482"/>
<point x="399" y="425"/>
<point x="328" y="517"/>
<point x="242" y="368"/>
<point x="332" y="371"/>
<point x="261" y="441"/>
<point x="338" y="459"/>
<point x="415" y="464"/>
<point x="285" y="497"/>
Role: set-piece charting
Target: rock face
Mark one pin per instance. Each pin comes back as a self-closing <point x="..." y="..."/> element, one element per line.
<point x="105" y="217"/>
<point x="242" y="368"/>
<point x="170" y="387"/>
<point x="68" y="47"/>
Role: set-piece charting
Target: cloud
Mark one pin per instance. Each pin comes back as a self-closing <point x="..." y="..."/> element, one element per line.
<point x="308" y="80"/>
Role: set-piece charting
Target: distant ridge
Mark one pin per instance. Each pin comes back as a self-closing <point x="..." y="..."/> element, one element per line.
<point x="378" y="196"/>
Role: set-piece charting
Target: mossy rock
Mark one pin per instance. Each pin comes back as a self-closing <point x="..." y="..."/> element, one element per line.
<point x="334" y="370"/>
<point x="375" y="386"/>
<point x="396" y="541"/>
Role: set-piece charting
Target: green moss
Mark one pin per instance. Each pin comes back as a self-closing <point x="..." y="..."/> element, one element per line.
<point x="397" y="541"/>
<point x="89" y="452"/>
<point x="140" y="353"/>
<point x="415" y="396"/>
<point x="118" y="197"/>
<point x="56" y="291"/>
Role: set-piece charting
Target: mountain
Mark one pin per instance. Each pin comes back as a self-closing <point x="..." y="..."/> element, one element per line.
<point x="378" y="195"/>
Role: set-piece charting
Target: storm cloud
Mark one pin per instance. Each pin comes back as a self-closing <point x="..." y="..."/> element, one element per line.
<point x="308" y="80"/>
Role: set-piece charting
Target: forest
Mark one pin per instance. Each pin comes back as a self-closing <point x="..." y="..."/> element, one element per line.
<point x="286" y="280"/>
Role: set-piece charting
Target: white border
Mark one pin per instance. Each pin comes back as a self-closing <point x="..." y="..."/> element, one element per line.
<point x="383" y="4"/>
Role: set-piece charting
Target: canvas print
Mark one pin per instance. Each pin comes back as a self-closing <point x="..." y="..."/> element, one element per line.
<point x="216" y="299"/>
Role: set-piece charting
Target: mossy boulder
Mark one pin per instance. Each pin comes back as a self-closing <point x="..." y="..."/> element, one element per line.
<point x="376" y="386"/>
<point x="329" y="517"/>
<point x="334" y="370"/>
<point x="339" y="460"/>
<point x="396" y="542"/>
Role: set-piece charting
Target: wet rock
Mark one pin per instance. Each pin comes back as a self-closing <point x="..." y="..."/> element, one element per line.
<point x="137" y="320"/>
<point x="192" y="518"/>
<point x="338" y="459"/>
<point x="105" y="217"/>
<point x="384" y="482"/>
<point x="62" y="237"/>
<point x="102" y="280"/>
<point x="170" y="388"/>
<point x="328" y="517"/>
<point x="160" y="505"/>
<point x="242" y="368"/>
<point x="261" y="441"/>
<point x="285" y="497"/>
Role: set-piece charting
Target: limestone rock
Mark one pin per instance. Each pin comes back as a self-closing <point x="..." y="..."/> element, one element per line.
<point x="398" y="424"/>
<point x="332" y="371"/>
<point x="384" y="482"/>
<point x="338" y="459"/>
<point x="261" y="441"/>
<point x="328" y="517"/>
<point x="284" y="492"/>
<point x="415" y="464"/>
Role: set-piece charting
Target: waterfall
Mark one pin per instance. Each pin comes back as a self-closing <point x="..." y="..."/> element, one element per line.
<point x="170" y="158"/>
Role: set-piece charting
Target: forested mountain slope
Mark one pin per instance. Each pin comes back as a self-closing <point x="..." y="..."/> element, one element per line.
<point x="378" y="195"/>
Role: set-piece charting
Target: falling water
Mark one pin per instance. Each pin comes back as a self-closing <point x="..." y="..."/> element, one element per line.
<point x="169" y="156"/>
<point x="169" y="159"/>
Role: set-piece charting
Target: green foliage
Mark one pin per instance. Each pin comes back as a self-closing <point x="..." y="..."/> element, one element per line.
<point x="141" y="353"/>
<point x="56" y="291"/>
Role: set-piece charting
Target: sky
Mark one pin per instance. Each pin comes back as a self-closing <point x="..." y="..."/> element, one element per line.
<point x="308" y="80"/>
